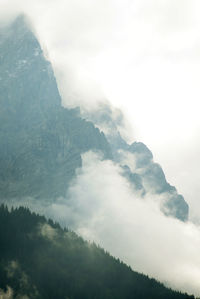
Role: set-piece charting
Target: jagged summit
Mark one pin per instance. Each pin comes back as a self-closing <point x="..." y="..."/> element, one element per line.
<point x="25" y="69"/>
<point x="41" y="142"/>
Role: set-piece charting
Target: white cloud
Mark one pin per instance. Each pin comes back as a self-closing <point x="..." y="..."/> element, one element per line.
<point x="47" y="231"/>
<point x="102" y="207"/>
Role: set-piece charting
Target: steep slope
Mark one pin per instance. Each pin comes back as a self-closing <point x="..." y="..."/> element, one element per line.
<point x="40" y="260"/>
<point x="41" y="142"/>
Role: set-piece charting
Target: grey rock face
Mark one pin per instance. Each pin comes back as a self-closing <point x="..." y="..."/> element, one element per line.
<point x="41" y="142"/>
<point x="149" y="177"/>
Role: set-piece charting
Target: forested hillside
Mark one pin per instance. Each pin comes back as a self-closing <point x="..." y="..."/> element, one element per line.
<point x="38" y="259"/>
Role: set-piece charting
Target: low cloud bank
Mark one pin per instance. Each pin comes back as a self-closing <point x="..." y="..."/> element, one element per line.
<point x="101" y="206"/>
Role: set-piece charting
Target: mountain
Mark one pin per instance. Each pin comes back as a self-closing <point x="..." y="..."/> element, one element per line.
<point x="42" y="142"/>
<point x="38" y="259"/>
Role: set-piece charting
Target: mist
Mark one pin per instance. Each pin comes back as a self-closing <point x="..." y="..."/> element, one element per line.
<point x="102" y="206"/>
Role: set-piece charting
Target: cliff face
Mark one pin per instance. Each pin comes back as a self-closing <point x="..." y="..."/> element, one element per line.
<point x="41" y="142"/>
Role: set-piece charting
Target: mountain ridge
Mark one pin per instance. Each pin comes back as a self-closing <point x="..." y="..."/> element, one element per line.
<point x="42" y="142"/>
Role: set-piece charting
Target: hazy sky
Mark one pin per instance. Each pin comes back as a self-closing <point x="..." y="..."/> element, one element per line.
<point x="144" y="57"/>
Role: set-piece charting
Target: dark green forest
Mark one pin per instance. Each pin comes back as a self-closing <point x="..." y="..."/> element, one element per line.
<point x="39" y="259"/>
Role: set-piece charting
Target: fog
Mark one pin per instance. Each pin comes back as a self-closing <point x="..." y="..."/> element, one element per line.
<point x="101" y="206"/>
